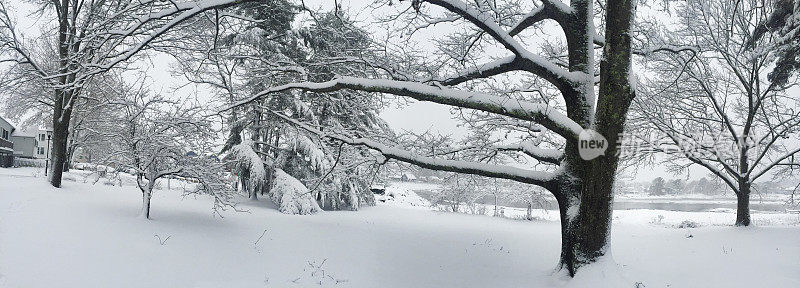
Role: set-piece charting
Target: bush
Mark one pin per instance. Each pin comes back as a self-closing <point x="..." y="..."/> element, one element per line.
<point x="688" y="224"/>
<point x="25" y="162"/>
<point x="291" y="196"/>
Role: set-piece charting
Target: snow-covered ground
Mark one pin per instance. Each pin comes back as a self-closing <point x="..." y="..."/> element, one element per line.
<point x="86" y="235"/>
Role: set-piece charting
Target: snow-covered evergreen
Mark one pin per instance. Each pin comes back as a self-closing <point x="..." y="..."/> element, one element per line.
<point x="291" y="196"/>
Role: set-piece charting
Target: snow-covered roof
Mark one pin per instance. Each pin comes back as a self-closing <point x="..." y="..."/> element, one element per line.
<point x="27" y="132"/>
<point x="13" y="127"/>
<point x="409" y="176"/>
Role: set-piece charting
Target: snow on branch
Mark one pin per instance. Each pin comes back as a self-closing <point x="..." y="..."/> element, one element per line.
<point x="534" y="63"/>
<point x="182" y="11"/>
<point x="484" y="20"/>
<point x="666" y="48"/>
<point x="698" y="159"/>
<point x="496" y="67"/>
<point x="772" y="164"/>
<point x="552" y="156"/>
<point x="550" y="9"/>
<point x="555" y="75"/>
<point x="547" y="116"/>
<point x="540" y="178"/>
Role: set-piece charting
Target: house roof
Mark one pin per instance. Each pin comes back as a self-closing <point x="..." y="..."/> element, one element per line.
<point x="25" y="133"/>
<point x="13" y="127"/>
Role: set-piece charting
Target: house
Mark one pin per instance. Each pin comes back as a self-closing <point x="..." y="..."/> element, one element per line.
<point x="25" y="143"/>
<point x="6" y="146"/>
<point x="43" y="136"/>
<point x="30" y="143"/>
<point x="408" y="177"/>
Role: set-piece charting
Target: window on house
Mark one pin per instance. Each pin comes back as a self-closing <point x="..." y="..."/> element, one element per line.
<point x="41" y="151"/>
<point x="5" y="134"/>
<point x="41" y="137"/>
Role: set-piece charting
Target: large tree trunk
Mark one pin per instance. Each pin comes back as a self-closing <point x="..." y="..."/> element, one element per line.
<point x="586" y="189"/>
<point x="585" y="208"/>
<point x="743" y="204"/>
<point x="60" y="127"/>
<point x="58" y="151"/>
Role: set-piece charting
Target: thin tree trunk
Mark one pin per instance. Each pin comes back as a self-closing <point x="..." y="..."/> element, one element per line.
<point x="529" y="214"/>
<point x="146" y="195"/>
<point x="70" y="150"/>
<point x="495" y="205"/>
<point x="743" y="204"/>
<point x="67" y="159"/>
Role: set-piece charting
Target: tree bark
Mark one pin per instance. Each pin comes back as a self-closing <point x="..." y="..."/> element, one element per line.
<point x="585" y="209"/>
<point x="743" y="204"/>
<point x="58" y="150"/>
<point x="146" y="195"/>
<point x="529" y="212"/>
<point x="70" y="149"/>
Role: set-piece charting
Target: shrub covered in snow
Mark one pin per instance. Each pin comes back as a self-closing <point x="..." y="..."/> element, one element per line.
<point x="291" y="196"/>
<point x="250" y="168"/>
<point x="688" y="224"/>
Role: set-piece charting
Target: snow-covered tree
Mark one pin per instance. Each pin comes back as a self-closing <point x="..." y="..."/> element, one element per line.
<point x="657" y="186"/>
<point x="784" y="21"/>
<point x="89" y="38"/>
<point x="248" y="55"/>
<point x="153" y="138"/>
<point x="704" y="186"/>
<point x="461" y="190"/>
<point x="716" y="107"/>
<point x="532" y="196"/>
<point x="582" y="187"/>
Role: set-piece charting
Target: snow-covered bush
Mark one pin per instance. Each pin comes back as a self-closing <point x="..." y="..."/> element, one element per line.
<point x="688" y="224"/>
<point x="459" y="191"/>
<point x="250" y="168"/>
<point x="291" y="196"/>
<point x="658" y="220"/>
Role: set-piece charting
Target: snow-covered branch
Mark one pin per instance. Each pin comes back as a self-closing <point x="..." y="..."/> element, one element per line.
<point x="551" y="156"/>
<point x="550" y="9"/>
<point x="529" y="61"/>
<point x="767" y="167"/>
<point x="675" y="49"/>
<point x="493" y="68"/>
<point x="547" y="116"/>
<point x="540" y="178"/>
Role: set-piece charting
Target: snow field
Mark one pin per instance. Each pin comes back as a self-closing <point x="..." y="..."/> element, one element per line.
<point x="87" y="235"/>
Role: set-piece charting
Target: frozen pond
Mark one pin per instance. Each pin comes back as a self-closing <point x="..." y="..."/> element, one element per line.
<point x="669" y="204"/>
<point x="689" y="206"/>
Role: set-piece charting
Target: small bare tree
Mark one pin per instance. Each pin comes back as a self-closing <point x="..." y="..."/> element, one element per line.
<point x="90" y="38"/>
<point x="154" y="138"/>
